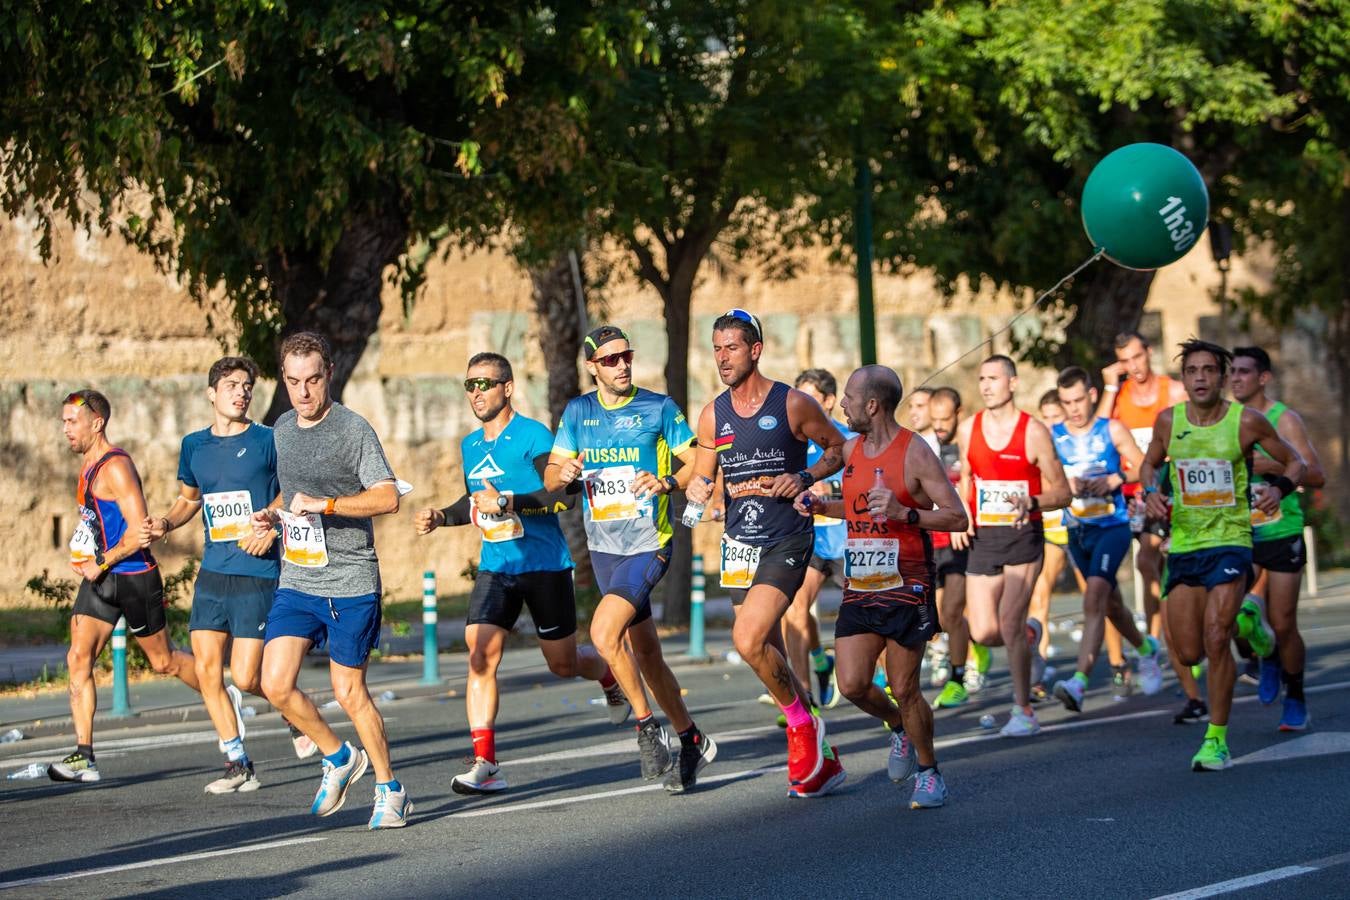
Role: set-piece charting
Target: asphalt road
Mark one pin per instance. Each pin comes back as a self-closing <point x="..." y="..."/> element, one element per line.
<point x="1101" y="805"/>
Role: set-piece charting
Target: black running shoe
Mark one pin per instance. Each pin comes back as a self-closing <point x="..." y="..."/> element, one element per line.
<point x="654" y="750"/>
<point x="693" y="757"/>
<point x="1194" y="711"/>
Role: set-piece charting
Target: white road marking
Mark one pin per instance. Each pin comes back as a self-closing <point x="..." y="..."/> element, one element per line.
<point x="1238" y="884"/>
<point x="166" y="861"/>
<point x="1321" y="743"/>
<point x="628" y="747"/>
<point x="620" y="792"/>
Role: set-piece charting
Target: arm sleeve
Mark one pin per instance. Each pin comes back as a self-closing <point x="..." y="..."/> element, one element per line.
<point x="542" y="502"/>
<point x="459" y="513"/>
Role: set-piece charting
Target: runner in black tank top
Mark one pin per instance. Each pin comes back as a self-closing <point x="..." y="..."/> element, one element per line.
<point x="757" y="431"/>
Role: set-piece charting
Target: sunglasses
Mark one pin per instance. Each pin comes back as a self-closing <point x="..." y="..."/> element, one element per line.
<point x="749" y="319"/>
<point x="481" y="384"/>
<point x="75" y="399"/>
<point x="613" y="359"/>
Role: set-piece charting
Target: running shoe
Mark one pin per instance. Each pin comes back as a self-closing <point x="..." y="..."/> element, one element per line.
<point x="829" y="686"/>
<point x="930" y="791"/>
<point x="1268" y="687"/>
<point x="1034" y="644"/>
<point x="1295" y="716"/>
<point x="805" y="756"/>
<point x="1193" y="711"/>
<point x="902" y="762"/>
<point x="1150" y="671"/>
<point x="940" y="665"/>
<point x="1122" y="685"/>
<point x="1198" y="671"/>
<point x="830" y="776"/>
<point x="619" y="707"/>
<point x="392" y="808"/>
<point x="1213" y="756"/>
<point x="767" y="699"/>
<point x="1020" y="724"/>
<point x="978" y="674"/>
<point x="693" y="757"/>
<point x="75" y="767"/>
<point x="337" y="780"/>
<point x="237" y="778"/>
<point x="654" y="750"/>
<point x="483" y="777"/>
<point x="1251" y="671"/>
<point x="304" y="747"/>
<point x="1038" y="692"/>
<point x="1070" y="693"/>
<point x="1253" y="627"/>
<point x="952" y="695"/>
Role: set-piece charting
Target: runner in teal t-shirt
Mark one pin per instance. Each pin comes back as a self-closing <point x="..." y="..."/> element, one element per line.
<point x="524" y="560"/>
<point x="617" y="443"/>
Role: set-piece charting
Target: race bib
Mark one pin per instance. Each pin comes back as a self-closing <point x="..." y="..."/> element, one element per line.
<point x="740" y="562"/>
<point x="994" y="501"/>
<point x="1205" y="483"/>
<point x="227" y="515"/>
<point x="1089" y="507"/>
<point x="1259" y="518"/>
<point x="609" y="493"/>
<point x="302" y="540"/>
<point x="1142" y="438"/>
<point x="873" y="564"/>
<point x="82" y="546"/>
<point x="498" y="528"/>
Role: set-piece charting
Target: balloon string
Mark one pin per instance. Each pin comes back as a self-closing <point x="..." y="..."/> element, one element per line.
<point x="1101" y="251"/>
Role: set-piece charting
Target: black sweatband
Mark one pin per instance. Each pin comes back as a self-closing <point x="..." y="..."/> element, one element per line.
<point x="1284" y="484"/>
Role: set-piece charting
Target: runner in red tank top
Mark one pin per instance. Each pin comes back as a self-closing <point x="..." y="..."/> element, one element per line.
<point x="1009" y="473"/>
<point x="1135" y="395"/>
<point x="895" y="492"/>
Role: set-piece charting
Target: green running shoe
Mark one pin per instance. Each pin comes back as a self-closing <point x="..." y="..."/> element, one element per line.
<point x="1253" y="627"/>
<point x="953" y="694"/>
<point x="983" y="657"/>
<point x="1213" y="756"/>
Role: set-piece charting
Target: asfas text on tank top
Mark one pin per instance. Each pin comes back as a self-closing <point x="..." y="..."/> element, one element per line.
<point x="885" y="561"/>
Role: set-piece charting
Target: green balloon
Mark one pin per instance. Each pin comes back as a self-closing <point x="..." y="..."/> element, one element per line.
<point x="1145" y="205"/>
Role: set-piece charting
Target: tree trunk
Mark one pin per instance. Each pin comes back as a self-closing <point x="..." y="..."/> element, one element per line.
<point x="342" y="302"/>
<point x="556" y="307"/>
<point x="679" y="579"/>
<point x="1110" y="300"/>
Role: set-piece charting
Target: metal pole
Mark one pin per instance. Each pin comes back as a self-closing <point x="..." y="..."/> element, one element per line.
<point x="1310" y="542"/>
<point x="121" y="698"/>
<point x="1139" y="610"/>
<point x="862" y="241"/>
<point x="697" y="650"/>
<point x="431" y="660"/>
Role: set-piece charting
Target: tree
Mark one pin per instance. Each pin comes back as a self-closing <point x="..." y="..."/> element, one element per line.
<point x="1005" y="109"/>
<point x="287" y="154"/>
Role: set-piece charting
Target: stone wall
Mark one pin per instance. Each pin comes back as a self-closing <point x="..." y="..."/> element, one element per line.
<point x="101" y="316"/>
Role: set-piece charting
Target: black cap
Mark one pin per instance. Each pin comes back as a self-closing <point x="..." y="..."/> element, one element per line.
<point x="601" y="336"/>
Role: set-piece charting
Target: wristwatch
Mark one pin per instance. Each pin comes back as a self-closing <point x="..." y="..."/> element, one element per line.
<point x="912" y="517"/>
<point x="501" y="503"/>
<point x="671" y="483"/>
<point x="806" y="478"/>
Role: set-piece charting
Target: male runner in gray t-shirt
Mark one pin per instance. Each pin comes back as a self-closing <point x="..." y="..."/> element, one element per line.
<point x="334" y="478"/>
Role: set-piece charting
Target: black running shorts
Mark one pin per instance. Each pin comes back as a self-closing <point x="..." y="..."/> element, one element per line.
<point x="138" y="596"/>
<point x="782" y="565"/>
<point x="497" y="599"/>
<point x="994" y="547"/>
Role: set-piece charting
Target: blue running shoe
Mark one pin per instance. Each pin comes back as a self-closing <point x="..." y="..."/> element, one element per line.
<point x="1268" y="689"/>
<point x="337" y="780"/>
<point x="1295" y="717"/>
<point x="392" y="808"/>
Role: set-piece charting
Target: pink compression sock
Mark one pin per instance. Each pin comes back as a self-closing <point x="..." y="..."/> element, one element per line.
<point x="796" y="713"/>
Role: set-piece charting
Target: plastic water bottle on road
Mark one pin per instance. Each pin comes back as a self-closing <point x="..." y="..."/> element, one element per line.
<point x="11" y="736"/>
<point x="32" y="770"/>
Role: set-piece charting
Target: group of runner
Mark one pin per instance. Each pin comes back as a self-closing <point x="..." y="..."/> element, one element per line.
<point x="941" y="543"/>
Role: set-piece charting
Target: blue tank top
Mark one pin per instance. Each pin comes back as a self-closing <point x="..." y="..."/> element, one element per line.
<point x="1091" y="455"/>
<point x="104" y="518"/>
<point x="752" y="452"/>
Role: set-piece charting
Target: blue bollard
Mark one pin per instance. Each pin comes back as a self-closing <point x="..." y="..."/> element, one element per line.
<point x="697" y="650"/>
<point x="431" y="660"/>
<point x="121" y="698"/>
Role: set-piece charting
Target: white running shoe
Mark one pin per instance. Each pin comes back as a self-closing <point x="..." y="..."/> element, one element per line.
<point x="1070" y="693"/>
<point x="619" y="707"/>
<point x="392" y="808"/>
<point x="1020" y="724"/>
<point x="238" y="778"/>
<point x="974" y="679"/>
<point x="337" y="780"/>
<point x="483" y="777"/>
<point x="1150" y="671"/>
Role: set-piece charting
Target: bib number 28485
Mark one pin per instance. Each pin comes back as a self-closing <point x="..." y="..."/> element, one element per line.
<point x="740" y="562"/>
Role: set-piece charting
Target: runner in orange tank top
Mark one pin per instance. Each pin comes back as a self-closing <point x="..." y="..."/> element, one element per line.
<point x="1009" y="475"/>
<point x="895" y="491"/>
<point x="1135" y="395"/>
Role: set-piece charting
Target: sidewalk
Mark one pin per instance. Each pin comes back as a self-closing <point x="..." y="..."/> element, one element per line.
<point x="159" y="700"/>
